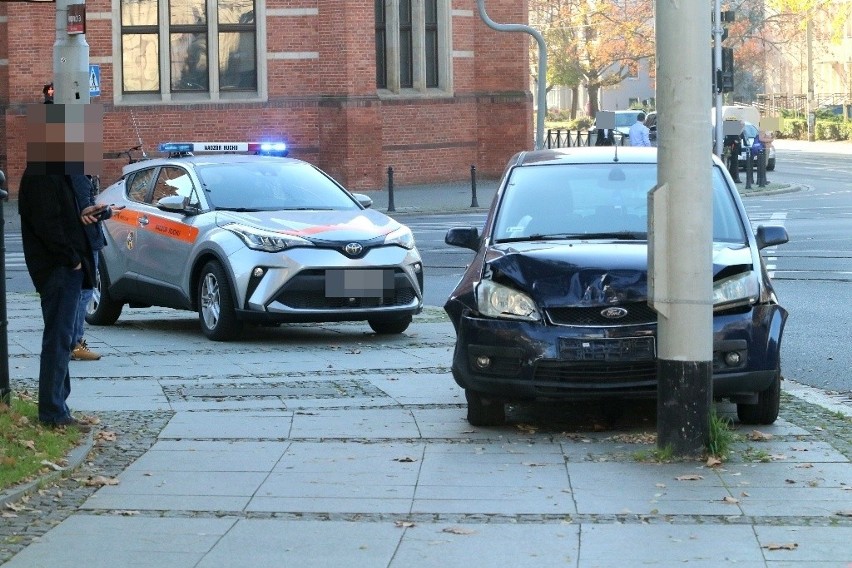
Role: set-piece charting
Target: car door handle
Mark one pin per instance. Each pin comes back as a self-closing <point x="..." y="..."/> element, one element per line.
<point x="143" y="220"/>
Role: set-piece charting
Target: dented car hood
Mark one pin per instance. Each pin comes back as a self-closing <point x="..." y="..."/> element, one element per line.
<point x="589" y="273"/>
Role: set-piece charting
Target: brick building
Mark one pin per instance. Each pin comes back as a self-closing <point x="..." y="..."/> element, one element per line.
<point x="353" y="86"/>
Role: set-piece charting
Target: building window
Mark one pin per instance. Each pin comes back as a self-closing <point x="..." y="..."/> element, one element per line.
<point x="190" y="50"/>
<point x="412" y="45"/>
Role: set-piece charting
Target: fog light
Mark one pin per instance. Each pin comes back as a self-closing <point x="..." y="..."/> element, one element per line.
<point x="483" y="362"/>
<point x="732" y="358"/>
<point x="257" y="272"/>
<point x="417" y="267"/>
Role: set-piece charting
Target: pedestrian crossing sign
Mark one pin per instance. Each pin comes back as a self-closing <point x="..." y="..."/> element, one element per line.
<point x="94" y="80"/>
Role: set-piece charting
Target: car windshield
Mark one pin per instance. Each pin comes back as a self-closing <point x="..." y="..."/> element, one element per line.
<point x="625" y="118"/>
<point x="565" y="201"/>
<point x="271" y="186"/>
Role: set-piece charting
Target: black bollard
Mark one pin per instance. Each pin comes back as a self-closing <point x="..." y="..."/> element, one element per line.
<point x="761" y="168"/>
<point x="390" y="189"/>
<point x="473" y="201"/>
<point x="749" y="170"/>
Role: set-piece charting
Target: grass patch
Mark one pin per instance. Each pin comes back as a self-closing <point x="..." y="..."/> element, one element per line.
<point x="721" y="436"/>
<point x="26" y="447"/>
<point x="658" y="455"/>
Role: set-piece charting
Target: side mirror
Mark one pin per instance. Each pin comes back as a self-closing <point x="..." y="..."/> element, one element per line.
<point x="174" y="203"/>
<point x="771" y="235"/>
<point x="3" y="193"/>
<point x="365" y="201"/>
<point x="464" y="237"/>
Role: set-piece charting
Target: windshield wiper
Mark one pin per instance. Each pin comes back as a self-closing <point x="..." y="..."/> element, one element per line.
<point x="622" y="235"/>
<point x="540" y="237"/>
<point x="239" y="209"/>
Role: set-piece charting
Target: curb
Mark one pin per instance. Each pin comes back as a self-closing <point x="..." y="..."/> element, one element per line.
<point x="75" y="458"/>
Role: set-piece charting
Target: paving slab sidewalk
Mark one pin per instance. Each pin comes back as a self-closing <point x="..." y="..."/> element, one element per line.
<point x="310" y="445"/>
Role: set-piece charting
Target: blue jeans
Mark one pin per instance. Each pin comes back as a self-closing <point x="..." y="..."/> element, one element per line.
<point x="60" y="299"/>
<point x="85" y="297"/>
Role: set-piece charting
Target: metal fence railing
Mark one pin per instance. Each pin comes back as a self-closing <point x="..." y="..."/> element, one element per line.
<point x="564" y="138"/>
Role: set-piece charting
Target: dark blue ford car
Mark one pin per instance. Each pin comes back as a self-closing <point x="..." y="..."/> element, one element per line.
<point x="554" y="304"/>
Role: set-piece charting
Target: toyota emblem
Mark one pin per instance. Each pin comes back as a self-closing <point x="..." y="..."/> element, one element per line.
<point x="353" y="249"/>
<point x="614" y="313"/>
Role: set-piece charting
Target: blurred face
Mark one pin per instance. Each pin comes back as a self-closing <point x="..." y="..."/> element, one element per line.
<point x="65" y="139"/>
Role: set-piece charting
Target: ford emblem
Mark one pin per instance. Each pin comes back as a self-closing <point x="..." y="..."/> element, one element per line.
<point x="353" y="249"/>
<point x="614" y="313"/>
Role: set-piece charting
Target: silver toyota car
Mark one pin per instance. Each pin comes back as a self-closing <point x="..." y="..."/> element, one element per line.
<point x="247" y="237"/>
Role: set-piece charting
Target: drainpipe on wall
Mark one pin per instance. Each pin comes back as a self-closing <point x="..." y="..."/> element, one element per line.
<point x="541" y="96"/>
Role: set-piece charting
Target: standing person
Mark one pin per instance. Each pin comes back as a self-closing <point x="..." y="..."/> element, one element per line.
<point x="56" y="250"/>
<point x="84" y="194"/>
<point x="606" y="137"/>
<point x="639" y="133"/>
<point x="48" y="92"/>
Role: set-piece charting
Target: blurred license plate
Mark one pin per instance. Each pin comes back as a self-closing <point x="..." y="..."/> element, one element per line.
<point x="611" y="350"/>
<point x="359" y="283"/>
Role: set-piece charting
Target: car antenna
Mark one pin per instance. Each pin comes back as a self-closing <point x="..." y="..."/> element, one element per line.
<point x="616" y="153"/>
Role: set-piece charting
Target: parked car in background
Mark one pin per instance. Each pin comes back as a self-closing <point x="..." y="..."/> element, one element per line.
<point x="651" y="123"/>
<point x="251" y="238"/>
<point x="554" y="304"/>
<point x="624" y="119"/>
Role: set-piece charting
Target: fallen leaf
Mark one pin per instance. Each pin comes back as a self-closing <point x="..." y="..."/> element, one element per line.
<point x="713" y="461"/>
<point x="459" y="530"/>
<point x="690" y="477"/>
<point x="105" y="436"/>
<point x="52" y="465"/>
<point x="9" y="515"/>
<point x="100" y="481"/>
<point x="789" y="481"/>
<point x="777" y="457"/>
<point x="758" y="436"/>
<point x="730" y="500"/>
<point x="404" y="524"/>
<point x="804" y="465"/>
<point x="527" y="428"/>
<point x="787" y="546"/>
<point x="406" y="459"/>
<point x="128" y="513"/>
<point x="29" y="444"/>
<point x="846" y="513"/>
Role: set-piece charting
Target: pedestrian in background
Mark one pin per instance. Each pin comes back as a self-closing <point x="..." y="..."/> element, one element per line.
<point x="605" y="137"/>
<point x="48" y="93"/>
<point x="639" y="133"/>
<point x="84" y="194"/>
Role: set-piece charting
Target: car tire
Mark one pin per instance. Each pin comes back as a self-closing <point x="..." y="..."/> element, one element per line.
<point x="484" y="411"/>
<point x="389" y="327"/>
<point x="767" y="407"/>
<point x="102" y="309"/>
<point x="770" y="165"/>
<point x="216" y="311"/>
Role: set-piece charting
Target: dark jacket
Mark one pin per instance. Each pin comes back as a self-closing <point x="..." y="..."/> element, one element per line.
<point x="84" y="194"/>
<point x="51" y="229"/>
<point x="605" y="139"/>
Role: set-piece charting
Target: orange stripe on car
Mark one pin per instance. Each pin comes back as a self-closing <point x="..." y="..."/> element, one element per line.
<point x="159" y="225"/>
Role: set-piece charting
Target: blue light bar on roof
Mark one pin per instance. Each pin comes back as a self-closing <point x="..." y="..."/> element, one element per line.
<point x="263" y="148"/>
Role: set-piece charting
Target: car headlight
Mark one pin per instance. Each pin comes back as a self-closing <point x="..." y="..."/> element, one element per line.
<point x="402" y="237"/>
<point x="267" y="241"/>
<point x="498" y="301"/>
<point x="738" y="290"/>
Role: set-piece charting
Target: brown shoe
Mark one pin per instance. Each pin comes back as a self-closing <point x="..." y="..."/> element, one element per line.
<point x="72" y="422"/>
<point x="81" y="352"/>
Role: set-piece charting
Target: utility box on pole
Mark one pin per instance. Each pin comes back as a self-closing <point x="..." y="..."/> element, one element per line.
<point x="71" y="54"/>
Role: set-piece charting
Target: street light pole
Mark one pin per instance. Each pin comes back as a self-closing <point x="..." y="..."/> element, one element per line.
<point x="5" y="388"/>
<point x="680" y="248"/>
<point x="717" y="72"/>
<point x="70" y="58"/>
<point x="541" y="95"/>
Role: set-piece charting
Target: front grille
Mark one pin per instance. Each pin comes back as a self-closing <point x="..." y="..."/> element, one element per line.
<point x="306" y="291"/>
<point x="638" y="313"/>
<point x="596" y="377"/>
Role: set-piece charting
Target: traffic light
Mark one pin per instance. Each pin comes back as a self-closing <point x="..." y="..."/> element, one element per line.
<point x="727" y="82"/>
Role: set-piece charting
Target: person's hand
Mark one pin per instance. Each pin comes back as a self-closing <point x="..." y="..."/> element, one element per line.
<point x="89" y="215"/>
